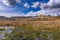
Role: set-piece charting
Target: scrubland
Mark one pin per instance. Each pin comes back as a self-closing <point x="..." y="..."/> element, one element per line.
<point x="45" y="28"/>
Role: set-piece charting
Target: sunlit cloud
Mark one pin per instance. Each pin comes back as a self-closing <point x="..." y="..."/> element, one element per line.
<point x="35" y="4"/>
<point x="26" y="5"/>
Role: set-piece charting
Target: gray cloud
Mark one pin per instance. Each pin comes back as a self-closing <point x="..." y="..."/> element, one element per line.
<point x="51" y="4"/>
<point x="9" y="2"/>
<point x="35" y="4"/>
<point x="51" y="8"/>
<point x="12" y="2"/>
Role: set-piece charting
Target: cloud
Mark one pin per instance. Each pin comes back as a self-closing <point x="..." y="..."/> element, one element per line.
<point x="43" y="12"/>
<point x="26" y="5"/>
<point x="18" y="1"/>
<point x="7" y="14"/>
<point x="31" y="13"/>
<point x="9" y="2"/>
<point x="35" y="4"/>
<point x="2" y="8"/>
<point x="51" y="8"/>
<point x="51" y="4"/>
<point x="54" y="3"/>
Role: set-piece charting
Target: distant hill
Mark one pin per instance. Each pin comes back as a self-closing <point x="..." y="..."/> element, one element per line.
<point x="3" y="17"/>
<point x="41" y="17"/>
<point x="15" y="17"/>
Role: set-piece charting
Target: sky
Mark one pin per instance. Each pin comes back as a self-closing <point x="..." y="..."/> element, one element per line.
<point x="10" y="8"/>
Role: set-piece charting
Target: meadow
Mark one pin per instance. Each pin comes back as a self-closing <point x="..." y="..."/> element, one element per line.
<point x="45" y="28"/>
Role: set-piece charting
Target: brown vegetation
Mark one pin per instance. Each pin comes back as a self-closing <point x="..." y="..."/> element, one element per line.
<point x="34" y="22"/>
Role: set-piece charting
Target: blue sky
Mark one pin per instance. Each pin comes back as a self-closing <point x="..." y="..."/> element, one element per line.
<point x="29" y="7"/>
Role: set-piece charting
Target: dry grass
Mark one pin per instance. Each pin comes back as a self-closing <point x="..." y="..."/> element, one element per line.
<point x="35" y="27"/>
<point x="33" y="22"/>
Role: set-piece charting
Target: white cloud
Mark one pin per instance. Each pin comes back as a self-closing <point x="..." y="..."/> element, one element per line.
<point x="50" y="8"/>
<point x="6" y="3"/>
<point x="18" y="1"/>
<point x="35" y="4"/>
<point x="51" y="12"/>
<point x="9" y="3"/>
<point x="7" y="14"/>
<point x="31" y="13"/>
<point x="51" y="4"/>
<point x="44" y="12"/>
<point x="2" y="8"/>
<point x="26" y="5"/>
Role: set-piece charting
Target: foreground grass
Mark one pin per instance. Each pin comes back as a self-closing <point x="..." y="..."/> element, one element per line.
<point x="31" y="33"/>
